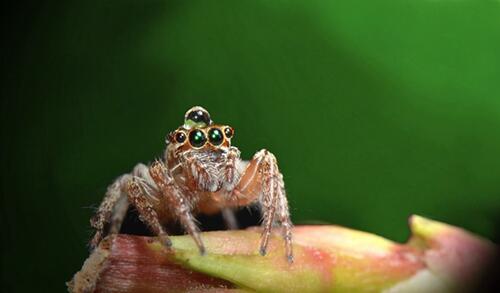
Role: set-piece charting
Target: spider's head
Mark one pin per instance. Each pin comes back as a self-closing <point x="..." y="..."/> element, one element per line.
<point x="199" y="133"/>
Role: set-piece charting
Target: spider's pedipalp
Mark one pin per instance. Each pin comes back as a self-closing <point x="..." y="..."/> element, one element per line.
<point x="231" y="173"/>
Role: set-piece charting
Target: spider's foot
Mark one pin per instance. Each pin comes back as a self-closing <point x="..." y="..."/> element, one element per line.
<point x="165" y="240"/>
<point x="203" y="251"/>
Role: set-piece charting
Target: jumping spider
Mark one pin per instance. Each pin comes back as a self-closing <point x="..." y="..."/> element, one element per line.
<point x="201" y="173"/>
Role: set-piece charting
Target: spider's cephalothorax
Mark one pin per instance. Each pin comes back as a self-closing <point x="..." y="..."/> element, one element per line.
<point x="200" y="152"/>
<point x="201" y="173"/>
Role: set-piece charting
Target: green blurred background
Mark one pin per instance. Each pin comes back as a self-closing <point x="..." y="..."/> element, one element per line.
<point x="375" y="110"/>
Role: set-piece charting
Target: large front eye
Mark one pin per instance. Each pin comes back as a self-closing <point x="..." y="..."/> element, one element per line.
<point x="215" y="136"/>
<point x="197" y="138"/>
<point x="197" y="116"/>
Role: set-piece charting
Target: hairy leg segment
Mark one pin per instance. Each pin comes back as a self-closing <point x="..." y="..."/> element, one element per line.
<point x="263" y="182"/>
<point x="114" y="194"/>
<point x="134" y="188"/>
<point x="172" y="195"/>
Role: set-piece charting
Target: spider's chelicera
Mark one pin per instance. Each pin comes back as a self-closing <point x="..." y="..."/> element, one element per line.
<point x="201" y="173"/>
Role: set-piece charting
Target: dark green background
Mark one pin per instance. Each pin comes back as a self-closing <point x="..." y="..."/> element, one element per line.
<point x="375" y="110"/>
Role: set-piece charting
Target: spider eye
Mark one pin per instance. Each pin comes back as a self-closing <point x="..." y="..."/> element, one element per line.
<point x="197" y="138"/>
<point x="180" y="137"/>
<point x="197" y="116"/>
<point x="229" y="132"/>
<point x="215" y="136"/>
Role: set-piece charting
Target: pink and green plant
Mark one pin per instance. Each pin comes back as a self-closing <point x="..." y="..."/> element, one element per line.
<point x="437" y="258"/>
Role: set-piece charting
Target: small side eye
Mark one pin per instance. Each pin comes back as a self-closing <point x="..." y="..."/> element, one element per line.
<point x="180" y="137"/>
<point x="215" y="136"/>
<point x="197" y="138"/>
<point x="229" y="132"/>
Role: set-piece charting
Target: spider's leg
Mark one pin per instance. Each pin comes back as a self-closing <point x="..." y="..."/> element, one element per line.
<point x="177" y="202"/>
<point x="118" y="215"/>
<point x="284" y="218"/>
<point x="262" y="181"/>
<point x="141" y="174"/>
<point x="138" y="197"/>
<point x="114" y="194"/>
<point x="229" y="219"/>
<point x="268" y="199"/>
<point x="115" y="204"/>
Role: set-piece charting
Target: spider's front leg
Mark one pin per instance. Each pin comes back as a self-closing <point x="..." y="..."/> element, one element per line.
<point x="262" y="181"/>
<point x="175" y="200"/>
<point x="136" y="188"/>
<point x="138" y="196"/>
<point x="115" y="197"/>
